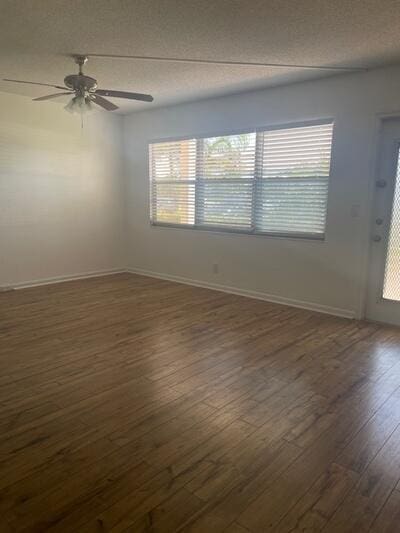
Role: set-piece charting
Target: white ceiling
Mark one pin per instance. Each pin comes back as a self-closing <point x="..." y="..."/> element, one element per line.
<point x="36" y="37"/>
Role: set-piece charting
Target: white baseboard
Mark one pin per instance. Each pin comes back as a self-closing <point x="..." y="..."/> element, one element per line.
<point x="311" y="306"/>
<point x="61" y="279"/>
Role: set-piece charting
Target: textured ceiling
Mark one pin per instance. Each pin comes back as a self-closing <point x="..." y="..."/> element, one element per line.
<point x="36" y="37"/>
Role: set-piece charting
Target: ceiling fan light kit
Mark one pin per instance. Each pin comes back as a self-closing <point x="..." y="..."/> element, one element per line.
<point x="79" y="104"/>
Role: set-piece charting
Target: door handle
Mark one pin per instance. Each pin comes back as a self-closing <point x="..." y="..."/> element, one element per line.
<point x="377" y="238"/>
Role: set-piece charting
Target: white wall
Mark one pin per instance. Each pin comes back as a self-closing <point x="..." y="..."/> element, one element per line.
<point x="61" y="198"/>
<point x="329" y="275"/>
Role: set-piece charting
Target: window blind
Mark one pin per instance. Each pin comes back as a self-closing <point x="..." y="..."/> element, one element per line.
<point x="292" y="192"/>
<point x="225" y="181"/>
<point x="173" y="173"/>
<point x="272" y="181"/>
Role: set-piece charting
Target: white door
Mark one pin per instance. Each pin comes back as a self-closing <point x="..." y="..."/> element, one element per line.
<point x="383" y="302"/>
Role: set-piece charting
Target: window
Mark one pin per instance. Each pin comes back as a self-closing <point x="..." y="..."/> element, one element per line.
<point x="271" y="182"/>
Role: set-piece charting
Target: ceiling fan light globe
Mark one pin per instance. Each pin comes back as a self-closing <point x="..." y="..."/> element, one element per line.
<point x="88" y="104"/>
<point x="79" y="104"/>
<point x="70" y="106"/>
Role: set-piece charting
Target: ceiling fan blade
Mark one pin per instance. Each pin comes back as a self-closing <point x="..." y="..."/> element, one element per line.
<point x="124" y="94"/>
<point x="37" y="83"/>
<point x="50" y="96"/>
<point x="102" y="102"/>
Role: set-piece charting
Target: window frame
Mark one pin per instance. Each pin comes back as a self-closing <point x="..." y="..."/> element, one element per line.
<point x="314" y="237"/>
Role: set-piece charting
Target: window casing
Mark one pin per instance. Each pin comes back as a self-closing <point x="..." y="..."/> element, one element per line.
<point x="272" y="182"/>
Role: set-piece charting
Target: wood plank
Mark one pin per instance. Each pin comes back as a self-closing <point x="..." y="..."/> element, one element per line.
<point x="316" y="507"/>
<point x="367" y="499"/>
<point x="388" y="519"/>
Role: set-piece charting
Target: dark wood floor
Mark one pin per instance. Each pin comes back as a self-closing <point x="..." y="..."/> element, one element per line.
<point x="131" y="404"/>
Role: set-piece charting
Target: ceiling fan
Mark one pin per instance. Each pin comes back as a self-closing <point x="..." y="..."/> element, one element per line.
<point x="85" y="91"/>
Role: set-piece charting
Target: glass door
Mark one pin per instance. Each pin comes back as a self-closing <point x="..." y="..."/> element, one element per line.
<point x="383" y="302"/>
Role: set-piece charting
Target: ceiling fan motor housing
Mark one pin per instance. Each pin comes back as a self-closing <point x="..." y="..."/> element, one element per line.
<point x="80" y="83"/>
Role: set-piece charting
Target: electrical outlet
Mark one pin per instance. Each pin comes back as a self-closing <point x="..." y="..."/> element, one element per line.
<point x="215" y="268"/>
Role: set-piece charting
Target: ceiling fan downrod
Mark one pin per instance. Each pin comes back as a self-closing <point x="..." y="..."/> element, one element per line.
<point x="80" y="60"/>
